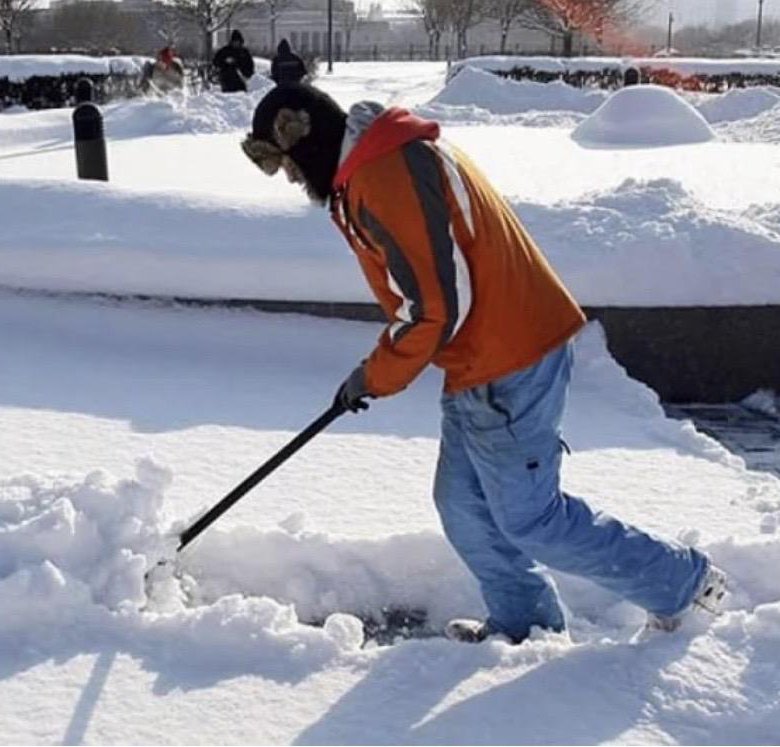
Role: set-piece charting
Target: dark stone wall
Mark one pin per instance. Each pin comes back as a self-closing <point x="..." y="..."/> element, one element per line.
<point x="697" y="354"/>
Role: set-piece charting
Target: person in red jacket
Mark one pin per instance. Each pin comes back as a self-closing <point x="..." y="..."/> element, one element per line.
<point x="464" y="286"/>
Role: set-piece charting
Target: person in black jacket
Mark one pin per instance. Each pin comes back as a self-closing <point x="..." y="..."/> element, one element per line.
<point x="287" y="67"/>
<point x="234" y="64"/>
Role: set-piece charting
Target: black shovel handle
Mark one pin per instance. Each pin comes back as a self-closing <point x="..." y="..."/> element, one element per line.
<point x="281" y="456"/>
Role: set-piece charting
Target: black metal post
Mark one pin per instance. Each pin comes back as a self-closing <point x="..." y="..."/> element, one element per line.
<point x="669" y="32"/>
<point x="759" y="23"/>
<point x="330" y="36"/>
<point x="88" y="136"/>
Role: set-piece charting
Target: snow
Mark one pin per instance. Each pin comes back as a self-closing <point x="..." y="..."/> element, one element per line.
<point x="21" y="66"/>
<point x="739" y="103"/>
<point x="683" y="65"/>
<point x="480" y="89"/>
<point x="120" y="423"/>
<point x="323" y="540"/>
<point x="648" y="116"/>
<point x="764" y="128"/>
<point x="638" y="243"/>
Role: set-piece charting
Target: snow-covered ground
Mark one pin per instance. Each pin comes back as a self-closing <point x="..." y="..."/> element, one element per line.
<point x="120" y="420"/>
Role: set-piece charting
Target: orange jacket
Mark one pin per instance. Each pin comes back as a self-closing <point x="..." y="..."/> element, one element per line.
<point x="461" y="282"/>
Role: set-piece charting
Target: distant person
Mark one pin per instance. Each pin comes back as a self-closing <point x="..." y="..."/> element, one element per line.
<point x="165" y="74"/>
<point x="287" y="67"/>
<point x="234" y="64"/>
<point x="464" y="286"/>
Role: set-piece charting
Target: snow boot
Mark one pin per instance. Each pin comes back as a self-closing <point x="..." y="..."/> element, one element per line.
<point x="709" y="597"/>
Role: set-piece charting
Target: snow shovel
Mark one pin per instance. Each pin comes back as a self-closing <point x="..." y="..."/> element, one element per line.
<point x="281" y="456"/>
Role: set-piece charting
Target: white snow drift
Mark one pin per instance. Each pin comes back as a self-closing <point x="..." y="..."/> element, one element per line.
<point x="642" y="243"/>
<point x="644" y="116"/>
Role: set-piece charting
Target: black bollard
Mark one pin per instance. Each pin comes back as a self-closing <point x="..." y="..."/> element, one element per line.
<point x="631" y="77"/>
<point x="90" y="142"/>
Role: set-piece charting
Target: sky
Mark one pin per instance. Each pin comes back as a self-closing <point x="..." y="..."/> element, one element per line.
<point x="714" y="11"/>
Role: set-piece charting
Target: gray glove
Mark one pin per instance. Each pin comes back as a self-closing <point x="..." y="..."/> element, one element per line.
<point x="352" y="392"/>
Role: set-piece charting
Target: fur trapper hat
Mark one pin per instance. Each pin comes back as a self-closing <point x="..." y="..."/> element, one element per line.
<point x="299" y="122"/>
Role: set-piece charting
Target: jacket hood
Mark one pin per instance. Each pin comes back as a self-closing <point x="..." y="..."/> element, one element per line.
<point x="373" y="132"/>
<point x="284" y="47"/>
<point x="237" y="36"/>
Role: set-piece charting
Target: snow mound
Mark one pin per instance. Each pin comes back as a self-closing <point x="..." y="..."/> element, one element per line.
<point x="85" y="541"/>
<point x="644" y="116"/>
<point x="764" y="128"/>
<point x="478" y="89"/>
<point x="182" y="113"/>
<point x="624" y="235"/>
<point x="738" y="103"/>
<point x="321" y="575"/>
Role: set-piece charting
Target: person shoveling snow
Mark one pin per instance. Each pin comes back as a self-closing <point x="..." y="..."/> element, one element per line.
<point x="465" y="287"/>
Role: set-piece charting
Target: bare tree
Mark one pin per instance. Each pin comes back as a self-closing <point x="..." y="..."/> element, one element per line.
<point x="166" y="25"/>
<point x="463" y="14"/>
<point x="12" y="15"/>
<point x="209" y="16"/>
<point x="97" y="25"/>
<point x="563" y="18"/>
<point x="436" y="18"/>
<point x="506" y="12"/>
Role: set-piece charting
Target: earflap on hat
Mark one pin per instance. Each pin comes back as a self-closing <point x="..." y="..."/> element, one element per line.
<point x="301" y="129"/>
<point x="263" y="154"/>
<point x="289" y="128"/>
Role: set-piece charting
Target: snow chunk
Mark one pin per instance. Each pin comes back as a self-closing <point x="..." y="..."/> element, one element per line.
<point x="763" y="400"/>
<point x="345" y="630"/>
<point x="82" y="540"/>
<point x="644" y="116"/>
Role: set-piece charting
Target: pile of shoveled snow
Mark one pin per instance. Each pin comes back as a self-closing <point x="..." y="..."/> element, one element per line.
<point x="644" y="116"/>
<point x="640" y="244"/>
<point x="764" y="128"/>
<point x="178" y="112"/>
<point x="478" y="95"/>
<point x="738" y="103"/>
<point x="86" y="541"/>
<point x="652" y="244"/>
<point x="73" y="555"/>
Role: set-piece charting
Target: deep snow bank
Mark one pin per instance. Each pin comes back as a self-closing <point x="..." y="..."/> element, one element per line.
<point x="738" y="103"/>
<point x="682" y="65"/>
<point x="19" y="67"/>
<point x="477" y="96"/>
<point x="643" y="243"/>
<point x="763" y="128"/>
<point x="478" y="90"/>
<point x="177" y="113"/>
<point x="644" y="116"/>
<point x="73" y="555"/>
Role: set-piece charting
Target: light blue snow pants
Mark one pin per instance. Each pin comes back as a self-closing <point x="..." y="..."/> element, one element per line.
<point x="498" y="494"/>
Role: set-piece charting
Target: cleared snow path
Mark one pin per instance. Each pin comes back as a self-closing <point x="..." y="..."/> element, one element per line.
<point x="86" y="391"/>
